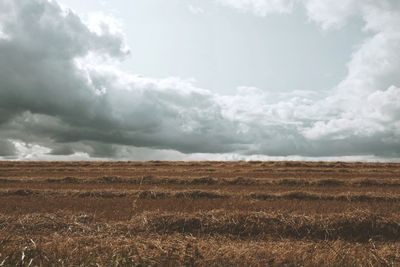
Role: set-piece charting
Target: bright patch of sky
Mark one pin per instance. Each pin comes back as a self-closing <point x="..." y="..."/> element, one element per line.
<point x="222" y="48"/>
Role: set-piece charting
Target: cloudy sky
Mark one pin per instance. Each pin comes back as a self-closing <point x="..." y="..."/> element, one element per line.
<point x="200" y="79"/>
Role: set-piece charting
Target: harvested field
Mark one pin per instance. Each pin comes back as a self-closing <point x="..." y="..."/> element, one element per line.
<point x="199" y="214"/>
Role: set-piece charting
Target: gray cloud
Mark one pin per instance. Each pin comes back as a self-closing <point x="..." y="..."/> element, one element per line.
<point x="60" y="90"/>
<point x="49" y="83"/>
<point x="7" y="148"/>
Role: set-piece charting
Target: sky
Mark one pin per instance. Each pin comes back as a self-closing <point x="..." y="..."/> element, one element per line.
<point x="221" y="48"/>
<point x="200" y="80"/>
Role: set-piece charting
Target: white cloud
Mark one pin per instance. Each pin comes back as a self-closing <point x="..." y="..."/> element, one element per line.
<point x="196" y="10"/>
<point x="261" y="7"/>
<point x="332" y="13"/>
<point x="3" y="35"/>
<point x="27" y="151"/>
<point x="361" y="101"/>
<point x="379" y="114"/>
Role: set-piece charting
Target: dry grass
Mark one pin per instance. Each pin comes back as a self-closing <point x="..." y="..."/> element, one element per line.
<point x="178" y="250"/>
<point x="199" y="214"/>
<point x="238" y="181"/>
<point x="204" y="194"/>
<point x="360" y="226"/>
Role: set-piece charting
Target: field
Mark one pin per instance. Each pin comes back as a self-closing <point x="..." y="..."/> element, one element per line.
<point x="199" y="214"/>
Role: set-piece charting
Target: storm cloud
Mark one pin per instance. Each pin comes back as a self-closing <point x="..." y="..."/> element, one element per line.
<point x="61" y="90"/>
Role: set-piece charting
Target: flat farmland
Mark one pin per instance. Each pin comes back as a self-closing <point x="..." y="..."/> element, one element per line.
<point x="199" y="214"/>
